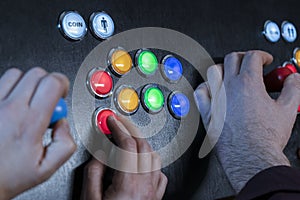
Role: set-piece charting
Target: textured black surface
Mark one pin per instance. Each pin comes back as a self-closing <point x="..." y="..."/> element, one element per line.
<point x="29" y="37"/>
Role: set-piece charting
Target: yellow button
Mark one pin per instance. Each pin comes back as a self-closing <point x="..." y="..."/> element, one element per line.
<point x="297" y="57"/>
<point x="128" y="100"/>
<point x="121" y="62"/>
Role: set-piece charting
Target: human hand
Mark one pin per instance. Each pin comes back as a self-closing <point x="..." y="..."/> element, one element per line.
<point x="256" y="128"/>
<point x="145" y="184"/>
<point x="26" y="105"/>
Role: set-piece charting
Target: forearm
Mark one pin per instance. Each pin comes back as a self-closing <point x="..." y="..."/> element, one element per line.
<point x="240" y="168"/>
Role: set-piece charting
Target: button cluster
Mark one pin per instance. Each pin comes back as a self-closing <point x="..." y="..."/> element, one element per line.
<point x="126" y="98"/>
<point x="73" y="27"/>
<point x="272" y="31"/>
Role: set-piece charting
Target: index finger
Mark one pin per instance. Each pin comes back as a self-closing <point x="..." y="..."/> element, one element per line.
<point x="253" y="62"/>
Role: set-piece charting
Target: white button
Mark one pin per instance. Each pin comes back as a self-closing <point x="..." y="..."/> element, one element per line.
<point x="271" y="31"/>
<point x="72" y="25"/>
<point x="288" y="31"/>
<point x="102" y="25"/>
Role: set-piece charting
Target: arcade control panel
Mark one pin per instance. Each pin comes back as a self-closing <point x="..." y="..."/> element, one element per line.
<point x="108" y="76"/>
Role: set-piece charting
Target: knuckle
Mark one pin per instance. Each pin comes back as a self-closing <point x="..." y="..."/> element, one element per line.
<point x="143" y="144"/>
<point x="53" y="81"/>
<point x="230" y="56"/>
<point x="38" y="71"/>
<point x="294" y="80"/>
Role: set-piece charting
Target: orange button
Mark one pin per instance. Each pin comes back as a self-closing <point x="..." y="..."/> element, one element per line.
<point x="297" y="56"/>
<point x="127" y="99"/>
<point x="120" y="61"/>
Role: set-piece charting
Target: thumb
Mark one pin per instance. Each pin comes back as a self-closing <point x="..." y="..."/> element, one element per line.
<point x="59" y="150"/>
<point x="290" y="94"/>
<point x="92" y="183"/>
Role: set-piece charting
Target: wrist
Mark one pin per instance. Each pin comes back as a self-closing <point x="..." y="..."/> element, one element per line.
<point x="241" y="163"/>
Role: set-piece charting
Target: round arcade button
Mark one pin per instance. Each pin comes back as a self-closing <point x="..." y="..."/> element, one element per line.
<point x="126" y="99"/>
<point x="100" y="82"/>
<point x="152" y="98"/>
<point x="271" y="31"/>
<point x="119" y="61"/>
<point x="296" y="56"/>
<point x="72" y="25"/>
<point x="290" y="66"/>
<point x="178" y="104"/>
<point x="171" y="68"/>
<point x="102" y="25"/>
<point x="146" y="61"/>
<point x="288" y="31"/>
<point x="100" y="117"/>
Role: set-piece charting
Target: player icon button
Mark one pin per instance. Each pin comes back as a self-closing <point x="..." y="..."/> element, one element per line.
<point x="288" y="31"/>
<point x="271" y="31"/>
<point x="101" y="25"/>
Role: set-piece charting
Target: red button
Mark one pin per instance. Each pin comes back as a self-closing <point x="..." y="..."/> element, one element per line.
<point x="291" y="67"/>
<point x="101" y="83"/>
<point x="101" y="117"/>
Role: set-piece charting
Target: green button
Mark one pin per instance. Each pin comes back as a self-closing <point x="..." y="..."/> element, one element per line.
<point x="154" y="99"/>
<point x="147" y="62"/>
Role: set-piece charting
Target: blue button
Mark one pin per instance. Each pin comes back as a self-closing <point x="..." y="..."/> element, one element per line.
<point x="179" y="105"/>
<point x="171" y="68"/>
<point x="59" y="112"/>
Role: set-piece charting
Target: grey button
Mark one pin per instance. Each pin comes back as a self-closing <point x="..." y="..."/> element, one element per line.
<point x="102" y="25"/>
<point x="271" y="31"/>
<point x="288" y="31"/>
<point x="72" y="25"/>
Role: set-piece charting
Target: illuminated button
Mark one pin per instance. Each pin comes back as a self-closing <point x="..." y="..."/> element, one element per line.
<point x="146" y="61"/>
<point x="288" y="31"/>
<point x="152" y="98"/>
<point x="100" y="82"/>
<point x="102" y="25"/>
<point x="127" y="99"/>
<point x="72" y="25"/>
<point x="296" y="58"/>
<point x="100" y="119"/>
<point x="271" y="31"/>
<point x="171" y="68"/>
<point x="59" y="112"/>
<point x="179" y="105"/>
<point x="120" y="61"/>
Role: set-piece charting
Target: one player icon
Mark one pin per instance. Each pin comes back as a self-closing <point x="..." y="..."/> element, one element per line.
<point x="291" y="32"/>
<point x="104" y="24"/>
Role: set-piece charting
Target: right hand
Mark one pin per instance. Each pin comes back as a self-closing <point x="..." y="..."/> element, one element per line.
<point x="256" y="128"/>
<point x="144" y="185"/>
